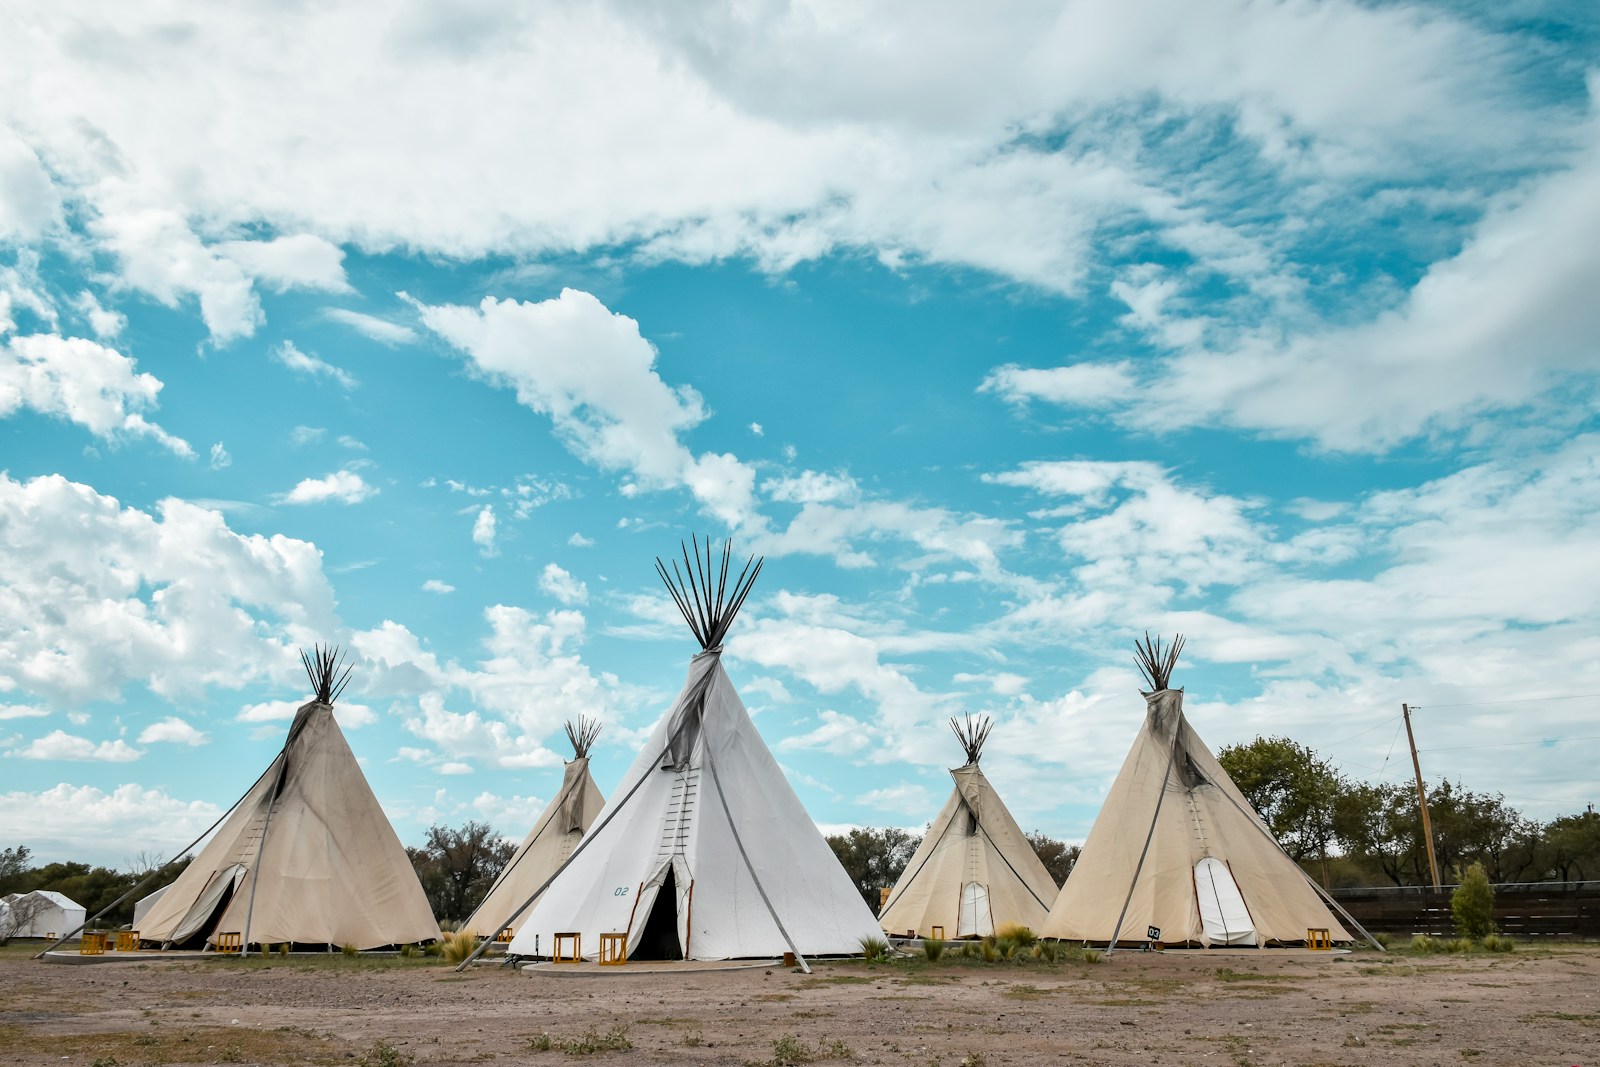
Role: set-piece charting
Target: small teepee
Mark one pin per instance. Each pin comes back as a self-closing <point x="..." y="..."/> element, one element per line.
<point x="549" y="843"/>
<point x="305" y="857"/>
<point x="1178" y="849"/>
<point x="704" y="851"/>
<point x="975" y="870"/>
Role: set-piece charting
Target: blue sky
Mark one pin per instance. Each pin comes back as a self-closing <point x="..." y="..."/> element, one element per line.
<point x="1005" y="336"/>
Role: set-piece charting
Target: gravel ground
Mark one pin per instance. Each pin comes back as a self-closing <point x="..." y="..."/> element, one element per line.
<point x="1532" y="1007"/>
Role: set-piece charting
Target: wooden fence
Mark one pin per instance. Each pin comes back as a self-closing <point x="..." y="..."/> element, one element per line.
<point x="1521" y="909"/>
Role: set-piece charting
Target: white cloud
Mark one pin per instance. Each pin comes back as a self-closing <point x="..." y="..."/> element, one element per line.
<point x="812" y="487"/>
<point x="94" y="596"/>
<point x="60" y="745"/>
<point x="301" y="261"/>
<point x="577" y="540"/>
<point x="105" y="323"/>
<point x="83" y="382"/>
<point x="434" y="585"/>
<point x="592" y="373"/>
<point x="310" y="365"/>
<point x="348" y="714"/>
<point x="30" y="204"/>
<point x="1081" y="385"/>
<point x="903" y="799"/>
<point x="346" y="487"/>
<point x="837" y="733"/>
<point x="755" y="428"/>
<point x="484" y="528"/>
<point x="305" y="435"/>
<point x="219" y="457"/>
<point x="563" y="586"/>
<point x="21" y="711"/>
<point x="82" y="822"/>
<point x="380" y="330"/>
<point x="173" y="730"/>
<point x="455" y="767"/>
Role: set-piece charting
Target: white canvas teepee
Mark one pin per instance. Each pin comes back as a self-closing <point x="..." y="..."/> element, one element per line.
<point x="307" y="856"/>
<point x="975" y="870"/>
<point x="704" y="851"/>
<point x="1177" y="847"/>
<point x="547" y="846"/>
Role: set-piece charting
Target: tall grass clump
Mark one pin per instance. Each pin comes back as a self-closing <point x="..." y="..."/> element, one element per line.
<point x="1021" y="933"/>
<point x="457" y="945"/>
<point x="875" y="950"/>
<point x="989" y="949"/>
<point x="1472" y="904"/>
<point x="1497" y="943"/>
<point x="349" y="950"/>
<point x="933" y="948"/>
<point x="1093" y="955"/>
<point x="1423" y="945"/>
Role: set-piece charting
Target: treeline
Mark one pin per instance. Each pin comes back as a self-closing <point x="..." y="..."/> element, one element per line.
<point x="93" y="887"/>
<point x="1349" y="833"/>
<point x="874" y="858"/>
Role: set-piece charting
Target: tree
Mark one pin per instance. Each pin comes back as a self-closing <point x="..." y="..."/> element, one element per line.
<point x="1472" y="904"/>
<point x="1380" y="825"/>
<point x="1571" y="845"/>
<point x="1292" y="788"/>
<point x="1057" y="856"/>
<point x="14" y="869"/>
<point x="457" y="867"/>
<point x="874" y="859"/>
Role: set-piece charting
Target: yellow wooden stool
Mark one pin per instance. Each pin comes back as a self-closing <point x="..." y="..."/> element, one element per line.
<point x="504" y="936"/>
<point x="613" y="950"/>
<point x="127" y="941"/>
<point x="938" y="933"/>
<point x="577" y="948"/>
<point x="92" y="945"/>
<point x="1317" y="938"/>
<point x="229" y="942"/>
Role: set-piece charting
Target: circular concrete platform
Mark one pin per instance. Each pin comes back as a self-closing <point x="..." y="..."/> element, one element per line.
<point x="590" y="969"/>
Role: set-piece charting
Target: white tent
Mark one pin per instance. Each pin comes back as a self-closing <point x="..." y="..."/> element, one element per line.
<point x="552" y="839"/>
<point x="41" y="913"/>
<point x="1178" y="849"/>
<point x="142" y="906"/>
<point x="704" y="851"/>
<point x="975" y="871"/>
<point x="307" y="856"/>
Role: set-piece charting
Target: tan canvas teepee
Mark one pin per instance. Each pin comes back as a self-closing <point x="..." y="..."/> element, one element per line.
<point x="307" y="856"/>
<point x="975" y="870"/>
<point x="1178" y="849"/>
<point x="549" y="843"/>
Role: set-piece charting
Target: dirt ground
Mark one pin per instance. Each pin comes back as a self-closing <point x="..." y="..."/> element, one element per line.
<point x="1531" y="1007"/>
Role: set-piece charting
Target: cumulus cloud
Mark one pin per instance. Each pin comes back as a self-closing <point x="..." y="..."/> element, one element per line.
<point x="220" y="458"/>
<point x="174" y="731"/>
<point x="484" y="529"/>
<point x="299" y="261"/>
<point x="83" y="382"/>
<point x="594" y="375"/>
<point x="434" y="585"/>
<point x="560" y="584"/>
<point x="310" y="366"/>
<point x="83" y="822"/>
<point x="94" y="596"/>
<point x="60" y="745"/>
<point x="346" y="487"/>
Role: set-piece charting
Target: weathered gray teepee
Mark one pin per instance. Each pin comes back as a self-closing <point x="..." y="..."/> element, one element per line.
<point x="307" y="856"/>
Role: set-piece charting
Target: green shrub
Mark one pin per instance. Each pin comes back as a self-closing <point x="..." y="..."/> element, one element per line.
<point x="933" y="948"/>
<point x="410" y="952"/>
<point x="989" y="949"/>
<point x="1496" y="943"/>
<point x="348" y="949"/>
<point x="541" y="1042"/>
<point x="591" y="1041"/>
<point x="1383" y="939"/>
<point x="383" y="1054"/>
<point x="1021" y="933"/>
<point x="875" y="950"/>
<point x="1422" y="945"/>
<point x="1472" y="904"/>
<point x="1460" y="944"/>
<point x="1093" y="955"/>
<point x="970" y="950"/>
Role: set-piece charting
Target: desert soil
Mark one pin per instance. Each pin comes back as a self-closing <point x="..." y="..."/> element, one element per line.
<point x="1532" y="1007"/>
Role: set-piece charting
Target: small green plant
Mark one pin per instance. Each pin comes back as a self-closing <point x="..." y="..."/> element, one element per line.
<point x="449" y="926"/>
<point x="1472" y="904"/>
<point x="1383" y="939"/>
<point x="1021" y="933"/>
<point x="1498" y="943"/>
<point x="592" y="1041"/>
<point x="231" y="1054"/>
<point x="933" y="948"/>
<point x="147" y="1039"/>
<point x="1459" y="945"/>
<point x="105" y="1061"/>
<point x="1423" y="945"/>
<point x="694" y="1039"/>
<point x="1093" y="955"/>
<point x="874" y="950"/>
<point x="973" y="1059"/>
<point x="787" y="1051"/>
<point x="457" y="945"/>
<point x="1048" y="951"/>
<point x="969" y="950"/>
<point x="541" y="1042"/>
<point x="349" y="949"/>
<point x="1007" y="948"/>
<point x="433" y="948"/>
<point x="990" y="950"/>
<point x="383" y="1054"/>
<point x="410" y="952"/>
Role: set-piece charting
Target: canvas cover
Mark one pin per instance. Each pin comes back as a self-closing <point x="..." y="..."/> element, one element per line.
<point x="552" y="839"/>
<point x="974" y="871"/>
<point x="671" y="830"/>
<point x="1202" y="815"/>
<point x="332" y="871"/>
<point x="142" y="907"/>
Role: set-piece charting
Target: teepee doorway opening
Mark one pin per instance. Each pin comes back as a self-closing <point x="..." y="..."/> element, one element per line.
<point x="659" y="938"/>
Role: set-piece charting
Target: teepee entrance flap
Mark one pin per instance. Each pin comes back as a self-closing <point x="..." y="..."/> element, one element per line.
<point x="1224" y="918"/>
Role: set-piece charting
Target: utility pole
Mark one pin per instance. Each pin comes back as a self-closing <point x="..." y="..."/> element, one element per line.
<point x="1422" y="797"/>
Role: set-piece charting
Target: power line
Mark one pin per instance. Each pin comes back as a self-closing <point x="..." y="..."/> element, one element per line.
<point x="1490" y="703"/>
<point x="1363" y="733"/>
<point x="1513" y="744"/>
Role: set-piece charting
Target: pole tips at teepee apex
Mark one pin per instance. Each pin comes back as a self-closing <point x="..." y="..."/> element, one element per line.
<point x="972" y="733"/>
<point x="704" y="597"/>
<point x="327" y="670"/>
<point x="582" y="735"/>
<point x="1156" y="662"/>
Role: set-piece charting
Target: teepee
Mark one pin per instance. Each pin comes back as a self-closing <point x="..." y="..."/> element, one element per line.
<point x="704" y="851"/>
<point x="975" y="870"/>
<point x="1177" y="854"/>
<point x="551" y="840"/>
<point x="305" y="857"/>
